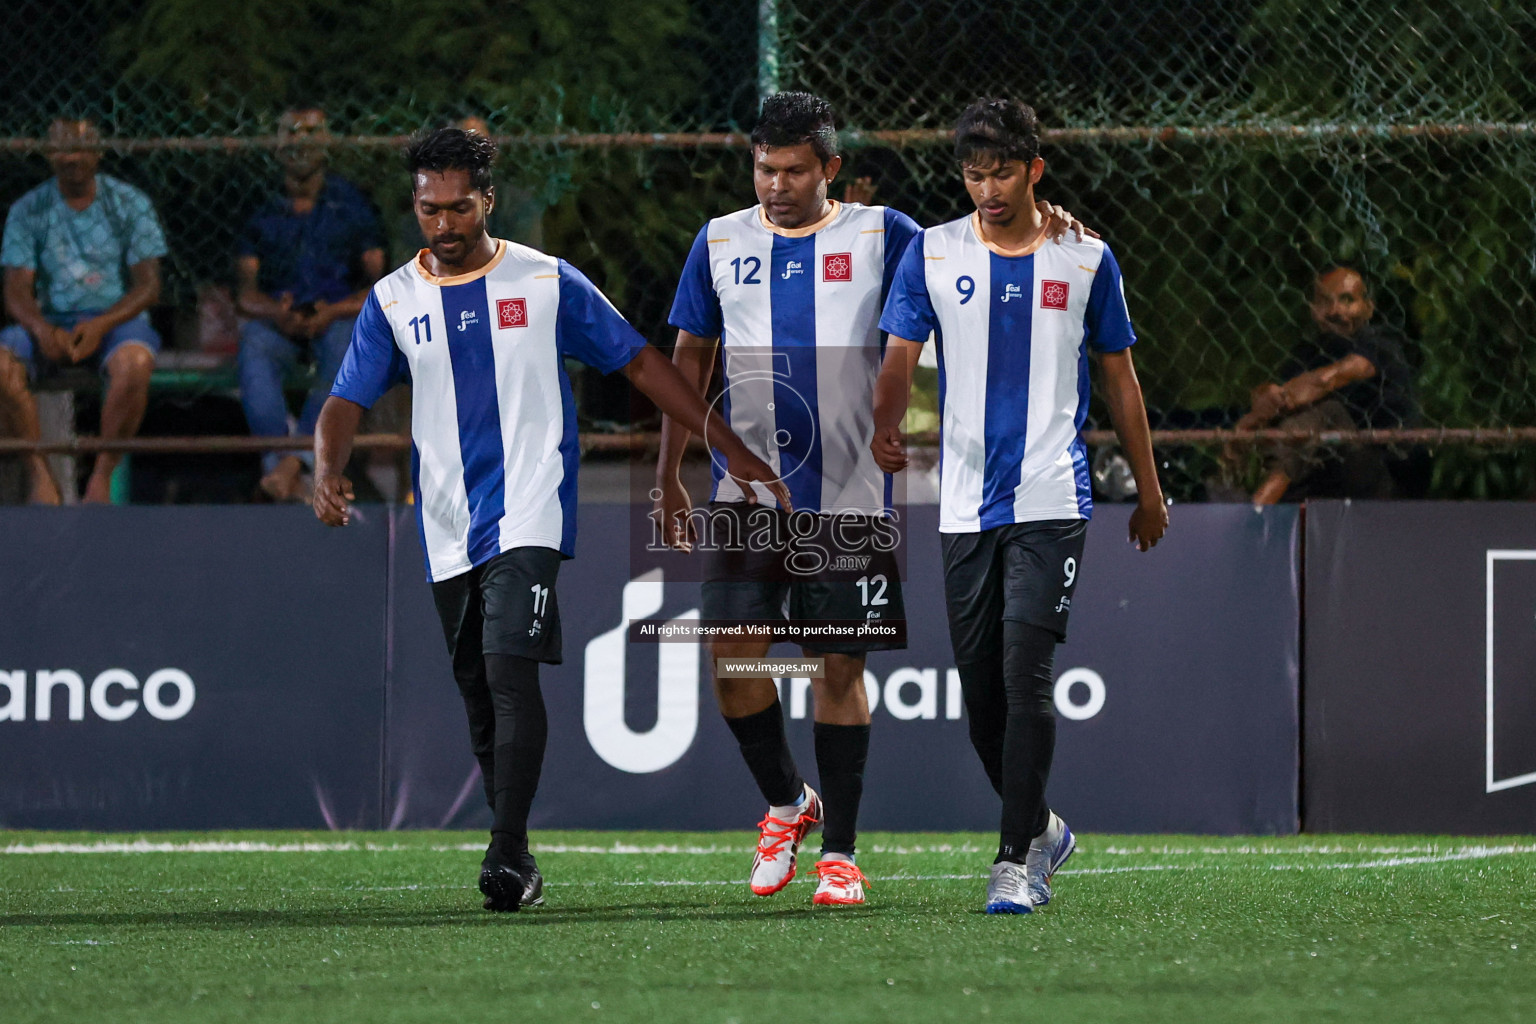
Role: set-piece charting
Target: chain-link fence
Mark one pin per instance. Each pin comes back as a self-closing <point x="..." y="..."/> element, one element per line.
<point x="1225" y="151"/>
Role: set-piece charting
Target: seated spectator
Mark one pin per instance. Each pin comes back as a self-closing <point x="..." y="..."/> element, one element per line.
<point x="1352" y="374"/>
<point x="82" y="265"/>
<point x="305" y="262"/>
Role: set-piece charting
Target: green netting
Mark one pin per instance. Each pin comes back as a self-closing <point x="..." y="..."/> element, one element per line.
<point x="1224" y="150"/>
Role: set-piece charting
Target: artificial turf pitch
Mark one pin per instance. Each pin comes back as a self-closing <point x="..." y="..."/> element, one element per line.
<point x="321" y="928"/>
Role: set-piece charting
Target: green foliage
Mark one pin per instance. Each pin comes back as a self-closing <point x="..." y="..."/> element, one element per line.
<point x="581" y="63"/>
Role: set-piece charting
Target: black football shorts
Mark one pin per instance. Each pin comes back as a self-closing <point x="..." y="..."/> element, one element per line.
<point x="504" y="606"/>
<point x="830" y="569"/>
<point x="1019" y="572"/>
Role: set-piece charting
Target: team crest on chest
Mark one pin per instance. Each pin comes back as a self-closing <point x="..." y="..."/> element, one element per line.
<point x="837" y="266"/>
<point x="1053" y="294"/>
<point x="511" y="312"/>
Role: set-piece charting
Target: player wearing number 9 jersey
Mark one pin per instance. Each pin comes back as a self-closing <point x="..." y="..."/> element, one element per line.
<point x="1014" y="321"/>
<point x="481" y="327"/>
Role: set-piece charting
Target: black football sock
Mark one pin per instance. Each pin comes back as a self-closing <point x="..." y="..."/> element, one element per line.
<point x="522" y="729"/>
<point x="986" y="712"/>
<point x="765" y="748"/>
<point x="1029" y="743"/>
<point x="841" y="751"/>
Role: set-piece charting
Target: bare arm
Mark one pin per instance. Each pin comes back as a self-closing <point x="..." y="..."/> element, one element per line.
<point x="694" y="358"/>
<point x="143" y="292"/>
<point x="372" y="265"/>
<point x="655" y="376"/>
<point x="1272" y="401"/>
<point x="252" y="301"/>
<point x="334" y="433"/>
<point x="1315" y="385"/>
<point x="1128" y="413"/>
<point x="22" y="305"/>
<point x="893" y="388"/>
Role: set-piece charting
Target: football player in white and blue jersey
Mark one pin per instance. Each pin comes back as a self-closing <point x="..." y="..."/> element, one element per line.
<point x="1014" y="321"/>
<point x="481" y="327"/>
<point x="789" y="293"/>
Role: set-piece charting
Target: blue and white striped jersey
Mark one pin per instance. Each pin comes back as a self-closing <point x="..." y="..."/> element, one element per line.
<point x="1013" y="336"/>
<point x="493" y="419"/>
<point x="797" y="314"/>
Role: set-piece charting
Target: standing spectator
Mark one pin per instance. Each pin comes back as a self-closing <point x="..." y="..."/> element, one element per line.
<point x="82" y="265"/>
<point x="305" y="262"/>
<point x="1352" y="374"/>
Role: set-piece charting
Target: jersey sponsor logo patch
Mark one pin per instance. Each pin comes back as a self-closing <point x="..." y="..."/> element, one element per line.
<point x="511" y="313"/>
<point x="837" y="266"/>
<point x="1053" y="294"/>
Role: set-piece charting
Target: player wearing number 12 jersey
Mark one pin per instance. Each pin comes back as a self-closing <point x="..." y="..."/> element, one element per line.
<point x="481" y="326"/>
<point x="790" y="291"/>
<point x="1014" y="321"/>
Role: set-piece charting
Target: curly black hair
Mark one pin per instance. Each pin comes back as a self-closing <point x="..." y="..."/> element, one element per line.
<point x="796" y="118"/>
<point x="997" y="131"/>
<point x="449" y="148"/>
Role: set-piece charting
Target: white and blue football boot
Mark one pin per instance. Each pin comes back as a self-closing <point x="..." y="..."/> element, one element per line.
<point x="1008" y="889"/>
<point x="1047" y="853"/>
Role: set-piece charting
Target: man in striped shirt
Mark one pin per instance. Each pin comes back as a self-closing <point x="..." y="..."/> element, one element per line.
<point x="1014" y="321"/>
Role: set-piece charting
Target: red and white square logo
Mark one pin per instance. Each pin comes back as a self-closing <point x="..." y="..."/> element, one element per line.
<point x="837" y="266"/>
<point x="511" y="312"/>
<point x="1053" y="294"/>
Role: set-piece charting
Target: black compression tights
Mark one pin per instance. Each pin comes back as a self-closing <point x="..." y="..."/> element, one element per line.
<point x="514" y="756"/>
<point x="1010" y="701"/>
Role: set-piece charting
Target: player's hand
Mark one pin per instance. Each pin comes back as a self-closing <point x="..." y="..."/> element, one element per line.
<point x="671" y="511"/>
<point x="889" y="447"/>
<point x="1058" y="222"/>
<point x="57" y="344"/>
<point x="746" y="469"/>
<point x="333" y="497"/>
<point x="86" y="339"/>
<point x="1149" y="522"/>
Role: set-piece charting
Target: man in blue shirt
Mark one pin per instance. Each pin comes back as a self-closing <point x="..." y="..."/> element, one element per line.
<point x="305" y="262"/>
<point x="82" y="265"/>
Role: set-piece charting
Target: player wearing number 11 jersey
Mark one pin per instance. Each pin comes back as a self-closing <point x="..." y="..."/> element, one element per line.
<point x="1014" y="321"/>
<point x="481" y="327"/>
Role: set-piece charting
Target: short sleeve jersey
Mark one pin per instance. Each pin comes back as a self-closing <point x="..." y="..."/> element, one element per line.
<point x="312" y="256"/>
<point x="81" y="257"/>
<point x="1013" y="335"/>
<point x="797" y="314"/>
<point x="493" y="419"/>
